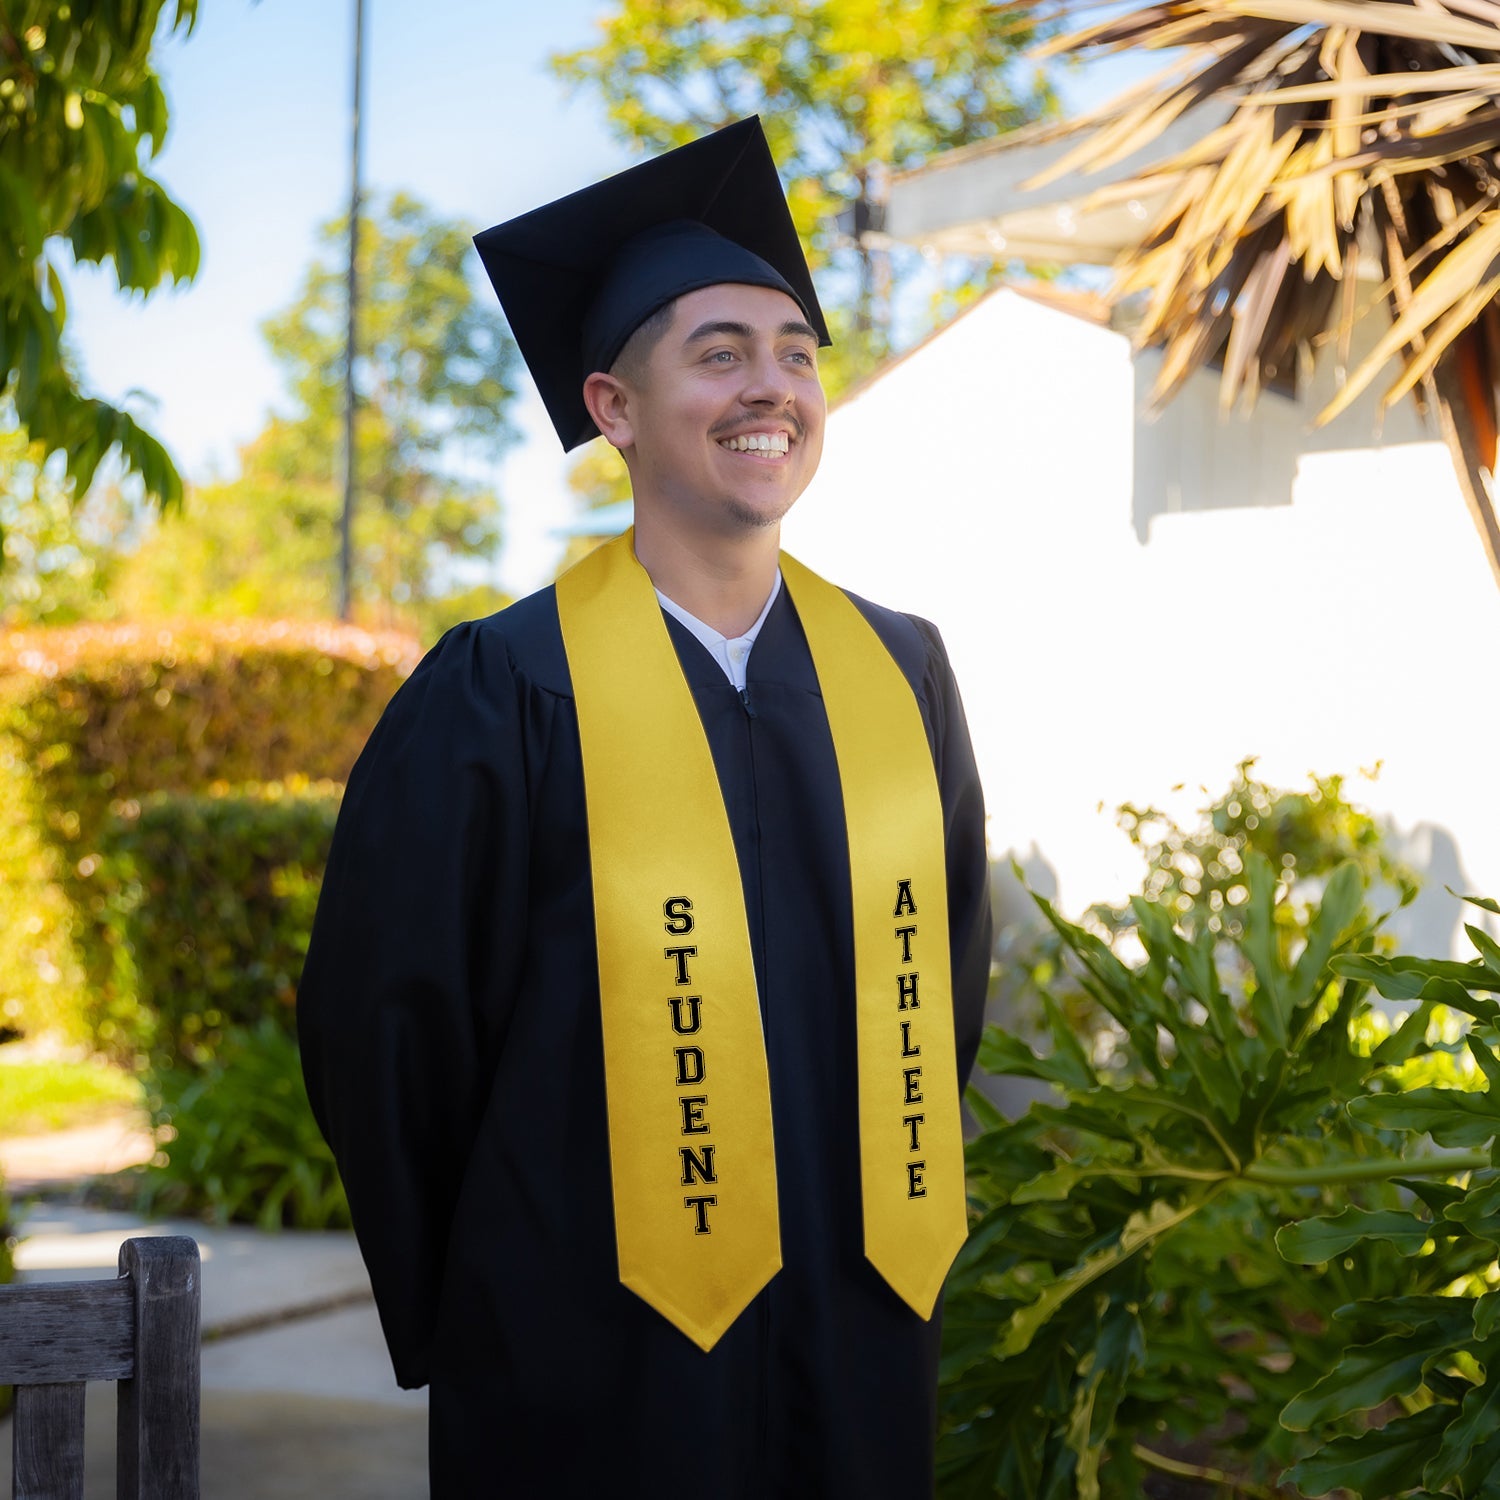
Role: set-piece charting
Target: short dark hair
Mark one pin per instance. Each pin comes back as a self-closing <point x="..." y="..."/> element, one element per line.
<point x="630" y="362"/>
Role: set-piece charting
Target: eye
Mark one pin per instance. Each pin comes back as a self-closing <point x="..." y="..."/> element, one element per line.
<point x="721" y="356"/>
<point x="801" y="356"/>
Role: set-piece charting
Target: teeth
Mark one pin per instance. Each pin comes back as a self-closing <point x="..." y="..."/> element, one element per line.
<point x="756" y="442"/>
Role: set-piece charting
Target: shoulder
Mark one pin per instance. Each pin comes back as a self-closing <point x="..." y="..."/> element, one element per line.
<point x="520" y="645"/>
<point x="914" y="644"/>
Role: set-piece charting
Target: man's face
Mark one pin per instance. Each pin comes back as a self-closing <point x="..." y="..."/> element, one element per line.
<point x="727" y="412"/>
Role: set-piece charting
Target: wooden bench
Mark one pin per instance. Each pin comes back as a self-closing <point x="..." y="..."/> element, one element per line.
<point x="141" y="1330"/>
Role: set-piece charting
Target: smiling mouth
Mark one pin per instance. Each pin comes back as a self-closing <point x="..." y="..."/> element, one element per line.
<point x="770" y="443"/>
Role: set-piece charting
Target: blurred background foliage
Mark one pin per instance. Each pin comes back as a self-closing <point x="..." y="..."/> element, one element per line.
<point x="437" y="381"/>
<point x="169" y="797"/>
<point x="95" y="719"/>
<point x="1196" y="873"/>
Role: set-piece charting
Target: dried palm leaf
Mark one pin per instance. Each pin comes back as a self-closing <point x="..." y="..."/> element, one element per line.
<point x="1352" y="120"/>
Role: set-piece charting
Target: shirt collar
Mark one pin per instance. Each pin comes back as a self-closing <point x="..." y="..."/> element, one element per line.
<point x="732" y="654"/>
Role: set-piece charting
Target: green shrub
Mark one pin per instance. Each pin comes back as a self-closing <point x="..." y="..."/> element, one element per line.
<point x="1127" y="1306"/>
<point x="209" y="908"/>
<point x="95" y="718"/>
<point x="238" y="1140"/>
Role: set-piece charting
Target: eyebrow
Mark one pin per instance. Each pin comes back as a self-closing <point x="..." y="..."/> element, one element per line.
<point x="791" y="329"/>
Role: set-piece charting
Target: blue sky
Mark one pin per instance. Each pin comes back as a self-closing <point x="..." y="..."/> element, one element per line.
<point x="460" y="109"/>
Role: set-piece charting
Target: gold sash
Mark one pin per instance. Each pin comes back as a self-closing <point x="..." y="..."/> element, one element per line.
<point x="691" y="1151"/>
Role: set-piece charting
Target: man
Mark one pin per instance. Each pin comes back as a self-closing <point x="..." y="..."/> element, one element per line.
<point x="648" y="965"/>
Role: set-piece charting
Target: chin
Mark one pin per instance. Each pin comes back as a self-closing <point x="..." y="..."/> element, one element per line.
<point x="745" y="515"/>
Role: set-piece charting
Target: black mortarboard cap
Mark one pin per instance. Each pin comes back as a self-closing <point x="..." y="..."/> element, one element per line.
<point x="577" y="277"/>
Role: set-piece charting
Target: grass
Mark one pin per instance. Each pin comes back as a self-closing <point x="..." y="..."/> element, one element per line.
<point x="38" y="1096"/>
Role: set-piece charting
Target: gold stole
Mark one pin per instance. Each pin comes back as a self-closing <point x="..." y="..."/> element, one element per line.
<point x="691" y="1151"/>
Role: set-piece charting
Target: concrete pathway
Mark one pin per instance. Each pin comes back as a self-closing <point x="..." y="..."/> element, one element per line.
<point x="29" y="1163"/>
<point x="298" y="1396"/>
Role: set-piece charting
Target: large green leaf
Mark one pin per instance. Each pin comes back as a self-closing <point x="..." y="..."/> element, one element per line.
<point x="1383" y="1462"/>
<point x="1448" y="1317"/>
<point x="1451" y="1116"/>
<point x="1271" y="1001"/>
<point x="1007" y="1056"/>
<point x="1406" y="1039"/>
<point x="1489" y="949"/>
<point x="1364" y="1377"/>
<point x="1440" y="980"/>
<point x="1478" y="1210"/>
<point x="1337" y="914"/>
<point x="1139" y="1230"/>
<point x="1487" y="1315"/>
<point x="1484" y="1054"/>
<point x="1312" y="1241"/>
<point x="1477" y="1422"/>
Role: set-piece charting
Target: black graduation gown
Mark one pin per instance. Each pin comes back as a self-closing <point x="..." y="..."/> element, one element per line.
<point x="449" y="1016"/>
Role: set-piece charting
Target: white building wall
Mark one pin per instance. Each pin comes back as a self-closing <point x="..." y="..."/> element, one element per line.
<point x="1132" y="608"/>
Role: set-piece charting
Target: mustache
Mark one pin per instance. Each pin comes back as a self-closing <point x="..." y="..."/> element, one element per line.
<point x="732" y="428"/>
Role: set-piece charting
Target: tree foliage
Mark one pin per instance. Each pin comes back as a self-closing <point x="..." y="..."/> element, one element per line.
<point x="848" y="90"/>
<point x="435" y="377"/>
<point x="81" y="113"/>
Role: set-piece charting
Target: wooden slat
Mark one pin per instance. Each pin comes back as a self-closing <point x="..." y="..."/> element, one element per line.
<point x="47" y="1442"/>
<point x="159" y="1408"/>
<point x="65" y="1331"/>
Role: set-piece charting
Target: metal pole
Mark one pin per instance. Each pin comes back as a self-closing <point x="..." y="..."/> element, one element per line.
<point x="346" y="520"/>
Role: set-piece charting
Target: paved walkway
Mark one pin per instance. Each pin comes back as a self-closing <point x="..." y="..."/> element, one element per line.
<point x="298" y="1396"/>
<point x="32" y="1162"/>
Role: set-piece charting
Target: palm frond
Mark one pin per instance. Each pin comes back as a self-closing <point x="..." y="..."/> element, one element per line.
<point x="1362" y="133"/>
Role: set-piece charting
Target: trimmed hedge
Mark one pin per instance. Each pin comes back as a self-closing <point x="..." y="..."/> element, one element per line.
<point x="93" y="719"/>
<point x="209" y="906"/>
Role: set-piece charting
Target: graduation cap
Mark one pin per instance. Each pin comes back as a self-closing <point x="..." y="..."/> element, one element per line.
<point x="577" y="277"/>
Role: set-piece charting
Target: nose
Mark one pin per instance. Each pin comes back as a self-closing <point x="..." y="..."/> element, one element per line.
<point x="767" y="383"/>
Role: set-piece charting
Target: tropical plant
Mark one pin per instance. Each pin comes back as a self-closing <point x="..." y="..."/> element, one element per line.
<point x="81" y="112"/>
<point x="1434" y="1363"/>
<point x="1121" y="1314"/>
<point x="1355" y="129"/>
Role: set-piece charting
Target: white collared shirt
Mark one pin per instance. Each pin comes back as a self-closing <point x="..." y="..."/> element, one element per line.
<point x="732" y="655"/>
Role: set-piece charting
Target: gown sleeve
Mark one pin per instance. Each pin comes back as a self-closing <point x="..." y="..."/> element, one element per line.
<point x="405" y="983"/>
<point x="969" y="918"/>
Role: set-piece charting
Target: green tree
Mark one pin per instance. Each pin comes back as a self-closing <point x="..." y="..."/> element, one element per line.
<point x="81" y="108"/>
<point x="848" y="90"/>
<point x="436" y="378"/>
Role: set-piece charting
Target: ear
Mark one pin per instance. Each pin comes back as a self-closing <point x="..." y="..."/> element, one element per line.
<point x="608" y="400"/>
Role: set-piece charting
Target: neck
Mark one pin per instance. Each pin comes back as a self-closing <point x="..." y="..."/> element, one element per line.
<point x="724" y="581"/>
